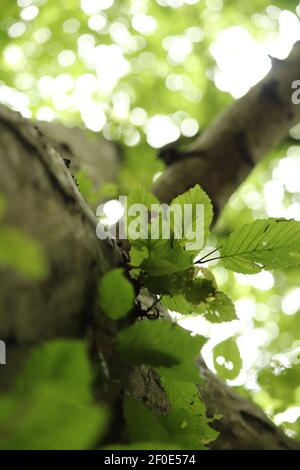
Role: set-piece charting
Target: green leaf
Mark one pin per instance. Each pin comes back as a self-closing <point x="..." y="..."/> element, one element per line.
<point x="59" y="362"/>
<point x="216" y="309"/>
<point x="227" y="359"/>
<point x="116" y="294"/>
<point x="50" y="421"/>
<point x="22" y="253"/>
<point x="195" y="196"/>
<point x="85" y="185"/>
<point x="157" y="343"/>
<point x="138" y="255"/>
<point x="160" y="257"/>
<point x="189" y="430"/>
<point x="263" y="244"/>
<point x="52" y="406"/>
<point x="139" y="195"/>
<point x="142" y="424"/>
<point x="155" y="247"/>
<point x="159" y="267"/>
<point x="187" y="371"/>
<point x="220" y="309"/>
<point x="178" y="303"/>
<point x="165" y="284"/>
<point x="187" y="420"/>
<point x="109" y="190"/>
<point x="138" y="218"/>
<point x="163" y="267"/>
<point x="183" y="395"/>
<point x="199" y="290"/>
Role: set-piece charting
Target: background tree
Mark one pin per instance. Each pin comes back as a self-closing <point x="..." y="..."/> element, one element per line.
<point x="145" y="74"/>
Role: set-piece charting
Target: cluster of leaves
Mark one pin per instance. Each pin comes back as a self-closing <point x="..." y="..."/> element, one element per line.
<point x="166" y="268"/>
<point x="155" y="344"/>
<point x="172" y="274"/>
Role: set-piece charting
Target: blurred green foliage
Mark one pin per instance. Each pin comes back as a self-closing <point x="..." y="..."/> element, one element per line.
<point x="52" y="405"/>
<point x="116" y="306"/>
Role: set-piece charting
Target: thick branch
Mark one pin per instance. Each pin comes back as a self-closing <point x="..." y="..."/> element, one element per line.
<point x="227" y="150"/>
<point x="243" y="425"/>
<point x="44" y="202"/>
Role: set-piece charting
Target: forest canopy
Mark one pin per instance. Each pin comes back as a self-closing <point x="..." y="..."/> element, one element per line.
<point x="149" y="76"/>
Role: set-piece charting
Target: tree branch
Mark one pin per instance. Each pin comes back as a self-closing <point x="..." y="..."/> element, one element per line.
<point x="226" y="152"/>
<point x="98" y="157"/>
<point x="243" y="425"/>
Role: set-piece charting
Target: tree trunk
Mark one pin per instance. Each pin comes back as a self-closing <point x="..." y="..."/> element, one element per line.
<point x="44" y="202"/>
<point x="82" y="150"/>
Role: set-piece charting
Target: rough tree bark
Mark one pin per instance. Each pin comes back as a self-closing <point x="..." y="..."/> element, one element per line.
<point x="243" y="424"/>
<point x="43" y="201"/>
<point x="82" y="150"/>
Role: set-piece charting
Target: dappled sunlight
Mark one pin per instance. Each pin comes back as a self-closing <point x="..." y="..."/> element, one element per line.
<point x="161" y="131"/>
<point x="241" y="61"/>
<point x="112" y="212"/>
<point x="263" y="280"/>
<point x="291" y="302"/>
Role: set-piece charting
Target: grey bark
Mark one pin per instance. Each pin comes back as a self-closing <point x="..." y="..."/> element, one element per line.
<point x="243" y="425"/>
<point x="44" y="202"/>
<point x="98" y="157"/>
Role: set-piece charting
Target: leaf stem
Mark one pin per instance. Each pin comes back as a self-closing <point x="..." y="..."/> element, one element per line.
<point x="201" y="260"/>
<point x="158" y="299"/>
<point x="213" y="259"/>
